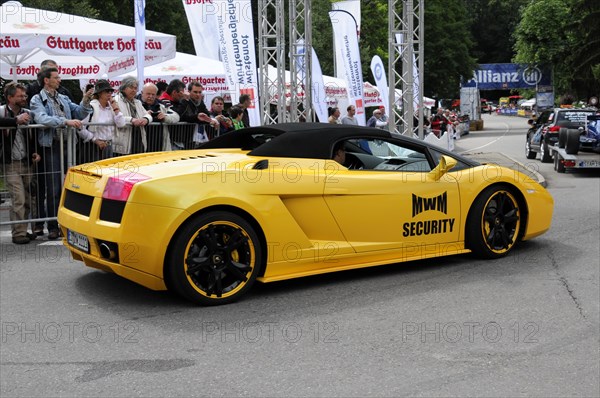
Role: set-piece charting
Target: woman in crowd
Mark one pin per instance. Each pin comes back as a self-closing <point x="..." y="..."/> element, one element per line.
<point x="97" y="139"/>
<point x="132" y="137"/>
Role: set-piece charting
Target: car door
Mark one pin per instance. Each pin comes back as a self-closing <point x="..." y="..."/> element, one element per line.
<point x="396" y="203"/>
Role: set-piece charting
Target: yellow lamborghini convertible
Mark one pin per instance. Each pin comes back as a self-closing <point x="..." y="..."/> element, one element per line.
<point x="290" y="200"/>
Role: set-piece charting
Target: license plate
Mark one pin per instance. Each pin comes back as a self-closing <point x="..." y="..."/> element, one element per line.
<point x="78" y="240"/>
<point x="591" y="163"/>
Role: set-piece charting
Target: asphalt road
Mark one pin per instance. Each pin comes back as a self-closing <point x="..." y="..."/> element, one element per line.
<point x="524" y="325"/>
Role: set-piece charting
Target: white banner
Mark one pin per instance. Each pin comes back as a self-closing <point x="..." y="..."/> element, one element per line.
<point x="319" y="100"/>
<point x="202" y="18"/>
<point x="236" y="46"/>
<point x="319" y="97"/>
<point x="140" y="35"/>
<point x="346" y="42"/>
<point x="380" y="79"/>
<point x="352" y="7"/>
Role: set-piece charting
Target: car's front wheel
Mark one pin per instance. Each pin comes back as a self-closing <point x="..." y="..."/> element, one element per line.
<point x="215" y="258"/>
<point x="494" y="222"/>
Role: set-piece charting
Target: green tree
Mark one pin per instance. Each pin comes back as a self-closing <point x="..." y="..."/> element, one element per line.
<point x="542" y="37"/>
<point x="564" y="34"/>
<point x="585" y="60"/>
<point x="447" y="42"/>
<point x="448" y="45"/>
<point x="490" y="22"/>
<point x="166" y="17"/>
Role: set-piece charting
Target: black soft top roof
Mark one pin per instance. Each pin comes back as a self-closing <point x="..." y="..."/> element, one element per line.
<point x="305" y="140"/>
<point x="294" y="140"/>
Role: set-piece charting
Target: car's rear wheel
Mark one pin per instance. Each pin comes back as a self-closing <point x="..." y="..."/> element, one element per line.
<point x="558" y="164"/>
<point x="545" y="156"/>
<point x="215" y="258"/>
<point x="528" y="152"/>
<point x="494" y="222"/>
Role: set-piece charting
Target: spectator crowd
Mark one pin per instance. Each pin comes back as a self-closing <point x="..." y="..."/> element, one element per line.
<point x="107" y="124"/>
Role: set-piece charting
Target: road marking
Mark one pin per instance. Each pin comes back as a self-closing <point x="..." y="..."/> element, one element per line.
<point x="489" y="143"/>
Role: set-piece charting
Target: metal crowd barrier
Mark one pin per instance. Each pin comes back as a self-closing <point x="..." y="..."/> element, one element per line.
<point x="69" y="149"/>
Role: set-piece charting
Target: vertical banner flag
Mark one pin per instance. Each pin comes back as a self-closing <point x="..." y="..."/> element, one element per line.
<point x="353" y="7"/>
<point x="346" y="42"/>
<point x="380" y="80"/>
<point x="319" y="98"/>
<point x="202" y="18"/>
<point x="236" y="46"/>
<point x="140" y="38"/>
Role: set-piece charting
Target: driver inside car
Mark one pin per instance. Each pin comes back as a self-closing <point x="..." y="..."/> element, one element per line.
<point x="339" y="152"/>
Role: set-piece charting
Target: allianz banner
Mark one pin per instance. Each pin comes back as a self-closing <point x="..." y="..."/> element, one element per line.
<point x="508" y="77"/>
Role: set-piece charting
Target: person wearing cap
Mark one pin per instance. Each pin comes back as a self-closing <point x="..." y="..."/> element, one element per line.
<point x="377" y="120"/>
<point x="97" y="139"/>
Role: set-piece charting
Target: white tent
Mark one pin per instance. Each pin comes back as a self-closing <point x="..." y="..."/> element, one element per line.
<point x="187" y="68"/>
<point x="29" y="35"/>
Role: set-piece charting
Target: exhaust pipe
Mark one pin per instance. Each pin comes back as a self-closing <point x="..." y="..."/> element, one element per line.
<point x="106" y="252"/>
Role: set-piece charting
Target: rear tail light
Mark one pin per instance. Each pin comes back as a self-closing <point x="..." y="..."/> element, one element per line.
<point x="568" y="163"/>
<point x="554" y="128"/>
<point x="119" y="188"/>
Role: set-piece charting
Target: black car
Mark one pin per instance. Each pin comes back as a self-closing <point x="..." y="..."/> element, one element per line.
<point x="544" y="130"/>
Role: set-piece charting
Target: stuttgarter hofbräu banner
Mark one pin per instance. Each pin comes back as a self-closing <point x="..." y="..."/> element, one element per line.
<point x="81" y="46"/>
<point x="202" y="18"/>
<point x="346" y="42"/>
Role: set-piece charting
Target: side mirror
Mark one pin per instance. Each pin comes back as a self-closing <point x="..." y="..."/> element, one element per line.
<point x="530" y="121"/>
<point x="446" y="163"/>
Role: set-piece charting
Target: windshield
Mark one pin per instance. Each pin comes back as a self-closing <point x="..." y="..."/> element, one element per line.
<point x="574" y="116"/>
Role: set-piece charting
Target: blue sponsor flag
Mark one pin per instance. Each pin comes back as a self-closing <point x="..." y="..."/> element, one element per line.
<point x="508" y="77"/>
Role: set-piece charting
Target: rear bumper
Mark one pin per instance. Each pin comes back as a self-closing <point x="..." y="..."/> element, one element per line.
<point x="142" y="239"/>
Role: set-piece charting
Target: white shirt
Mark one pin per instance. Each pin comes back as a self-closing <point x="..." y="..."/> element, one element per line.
<point x="102" y="115"/>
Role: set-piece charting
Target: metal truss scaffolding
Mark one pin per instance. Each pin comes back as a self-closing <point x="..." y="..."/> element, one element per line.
<point x="271" y="52"/>
<point x="405" y="49"/>
<point x="300" y="61"/>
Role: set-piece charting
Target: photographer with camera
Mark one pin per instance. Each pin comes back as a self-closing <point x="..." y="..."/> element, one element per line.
<point x="157" y="136"/>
